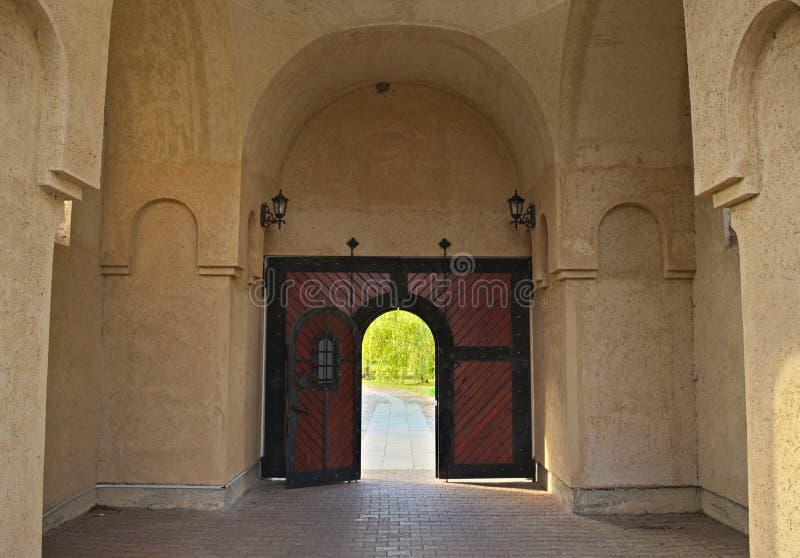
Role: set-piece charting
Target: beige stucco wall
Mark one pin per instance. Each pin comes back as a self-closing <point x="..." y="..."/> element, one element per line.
<point x="51" y="137"/>
<point x="743" y="80"/>
<point x="180" y="397"/>
<point x="70" y="459"/>
<point x="171" y="125"/>
<point x="553" y="395"/>
<point x="608" y="416"/>
<point x="633" y="344"/>
<point x="624" y="127"/>
<point x="398" y="171"/>
<point x="719" y="365"/>
<point x="244" y="381"/>
<point x="583" y="106"/>
<point x="30" y="217"/>
<point x="165" y="350"/>
<point x="501" y="59"/>
<point x="771" y="264"/>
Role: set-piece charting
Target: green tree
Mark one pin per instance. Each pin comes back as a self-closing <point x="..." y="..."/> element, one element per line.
<point x="398" y="347"/>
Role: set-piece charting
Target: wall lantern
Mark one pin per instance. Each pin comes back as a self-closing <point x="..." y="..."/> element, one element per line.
<point x="278" y="211"/>
<point x="520" y="215"/>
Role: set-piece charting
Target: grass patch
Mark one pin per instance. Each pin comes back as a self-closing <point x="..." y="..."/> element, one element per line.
<point x="427" y="389"/>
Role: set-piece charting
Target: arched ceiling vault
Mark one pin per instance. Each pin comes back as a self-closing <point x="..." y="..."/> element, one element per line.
<point x="339" y="62"/>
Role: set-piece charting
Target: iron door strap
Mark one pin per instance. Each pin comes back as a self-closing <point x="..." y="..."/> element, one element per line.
<point x="309" y="460"/>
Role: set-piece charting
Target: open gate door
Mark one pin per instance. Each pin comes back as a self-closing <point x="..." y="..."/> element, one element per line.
<point x="479" y="316"/>
<point x="324" y="411"/>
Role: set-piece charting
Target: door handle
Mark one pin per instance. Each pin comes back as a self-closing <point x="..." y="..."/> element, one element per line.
<point x="296" y="409"/>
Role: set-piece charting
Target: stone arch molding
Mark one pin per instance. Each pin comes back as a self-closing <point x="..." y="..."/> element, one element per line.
<point x="122" y="265"/>
<point x="69" y="150"/>
<point x="342" y="61"/>
<point x="672" y="267"/>
<point x="740" y="181"/>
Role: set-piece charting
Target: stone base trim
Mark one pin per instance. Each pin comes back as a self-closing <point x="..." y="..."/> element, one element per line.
<point x="641" y="501"/>
<point x="153" y="496"/>
<point x="559" y="489"/>
<point x="635" y="501"/>
<point x="72" y="507"/>
<point x="728" y="512"/>
<point x="625" y="501"/>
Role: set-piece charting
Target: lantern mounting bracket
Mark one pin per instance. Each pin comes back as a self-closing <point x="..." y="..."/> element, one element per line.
<point x="278" y="212"/>
<point x="519" y="216"/>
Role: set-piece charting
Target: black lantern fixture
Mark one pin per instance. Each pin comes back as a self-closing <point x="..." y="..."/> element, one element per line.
<point x="519" y="214"/>
<point x="278" y="211"/>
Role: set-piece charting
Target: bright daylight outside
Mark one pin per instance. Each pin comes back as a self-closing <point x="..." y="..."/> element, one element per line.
<point x="398" y="368"/>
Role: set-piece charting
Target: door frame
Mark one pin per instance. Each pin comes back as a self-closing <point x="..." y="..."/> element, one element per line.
<point x="273" y="461"/>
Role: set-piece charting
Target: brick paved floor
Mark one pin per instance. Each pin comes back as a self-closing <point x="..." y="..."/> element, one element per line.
<point x="390" y="514"/>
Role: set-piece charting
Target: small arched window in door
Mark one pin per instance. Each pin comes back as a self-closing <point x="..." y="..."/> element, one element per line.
<point x="326" y="362"/>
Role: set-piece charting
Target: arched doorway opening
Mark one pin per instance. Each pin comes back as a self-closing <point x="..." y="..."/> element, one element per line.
<point x="398" y="364"/>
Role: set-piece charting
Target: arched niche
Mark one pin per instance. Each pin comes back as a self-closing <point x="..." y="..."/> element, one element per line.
<point x="767" y="225"/>
<point x="164" y="235"/>
<point x="625" y="254"/>
<point x="172" y="224"/>
<point x="672" y="267"/>
<point x="741" y="181"/>
<point x="66" y="165"/>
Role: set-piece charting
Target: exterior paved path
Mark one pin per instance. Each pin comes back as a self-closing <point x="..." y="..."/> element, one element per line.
<point x="395" y="433"/>
<point x="390" y="513"/>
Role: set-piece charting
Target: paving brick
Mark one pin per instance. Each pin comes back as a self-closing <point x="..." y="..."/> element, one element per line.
<point x="390" y="513"/>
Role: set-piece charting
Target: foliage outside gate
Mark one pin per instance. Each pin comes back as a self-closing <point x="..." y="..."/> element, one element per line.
<point x="398" y="347"/>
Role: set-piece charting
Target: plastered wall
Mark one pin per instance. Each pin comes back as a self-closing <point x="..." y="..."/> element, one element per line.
<point x="584" y="106"/>
<point x="744" y="112"/>
<point x="180" y="397"/>
<point x="623" y="132"/>
<point x="172" y="126"/>
<point x="553" y="400"/>
<point x="616" y="406"/>
<point x="50" y="141"/>
<point x="399" y="171"/>
<point x="718" y="354"/>
<point x="74" y="368"/>
<point x="281" y="98"/>
<point x="633" y="345"/>
<point x="771" y="263"/>
<point x="30" y="217"/>
<point x="163" y="412"/>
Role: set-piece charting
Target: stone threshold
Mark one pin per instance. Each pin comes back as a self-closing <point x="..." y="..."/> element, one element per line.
<point x="152" y="496"/>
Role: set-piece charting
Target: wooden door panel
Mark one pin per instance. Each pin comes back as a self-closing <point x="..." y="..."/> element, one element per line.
<point x="323" y="409"/>
<point x="483" y="413"/>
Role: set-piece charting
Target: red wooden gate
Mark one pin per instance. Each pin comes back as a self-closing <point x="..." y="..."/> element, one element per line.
<point x="479" y="319"/>
<point x="324" y="363"/>
<point x="483" y="316"/>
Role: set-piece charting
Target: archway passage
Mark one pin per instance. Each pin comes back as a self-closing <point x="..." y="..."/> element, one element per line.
<point x="478" y="313"/>
<point x="398" y="363"/>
